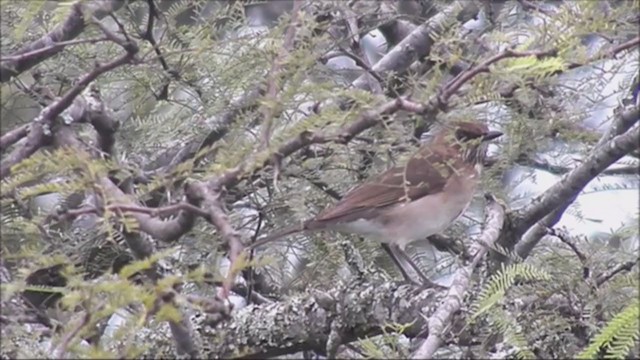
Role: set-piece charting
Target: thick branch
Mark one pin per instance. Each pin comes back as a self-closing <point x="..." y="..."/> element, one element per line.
<point x="163" y="230"/>
<point x="304" y="322"/>
<point x="572" y="184"/>
<point x="532" y="236"/>
<point x="11" y="137"/>
<point x="396" y="60"/>
<point x="35" y="140"/>
<point x="141" y="247"/>
<point x="623" y="122"/>
<point x="606" y="276"/>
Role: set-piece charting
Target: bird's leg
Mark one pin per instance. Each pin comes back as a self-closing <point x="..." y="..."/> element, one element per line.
<point x="403" y="255"/>
<point x="399" y="264"/>
<point x="425" y="280"/>
<point x="398" y="256"/>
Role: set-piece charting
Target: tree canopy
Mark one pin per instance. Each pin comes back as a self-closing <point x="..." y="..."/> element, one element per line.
<point x="145" y="145"/>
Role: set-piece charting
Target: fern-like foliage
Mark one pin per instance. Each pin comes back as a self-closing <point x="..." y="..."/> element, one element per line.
<point x="512" y="333"/>
<point x="618" y="336"/>
<point x="499" y="283"/>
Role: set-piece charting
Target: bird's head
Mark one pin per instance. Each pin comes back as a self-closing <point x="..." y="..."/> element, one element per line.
<point x="469" y="138"/>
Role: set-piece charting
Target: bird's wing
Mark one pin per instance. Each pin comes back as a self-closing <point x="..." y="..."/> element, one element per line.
<point x="422" y="175"/>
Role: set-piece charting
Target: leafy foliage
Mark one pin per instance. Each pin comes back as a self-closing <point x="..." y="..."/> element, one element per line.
<point x="194" y="83"/>
<point x="500" y="282"/>
<point x="618" y="336"/>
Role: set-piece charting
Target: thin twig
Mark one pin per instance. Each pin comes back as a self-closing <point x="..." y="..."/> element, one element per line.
<point x="604" y="277"/>
<point x="268" y="109"/>
<point x="563" y="236"/>
<point x="53" y="47"/>
<point x="129" y="208"/>
<point x="59" y="352"/>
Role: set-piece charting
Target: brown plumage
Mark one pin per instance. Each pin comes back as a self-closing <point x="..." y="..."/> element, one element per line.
<point x="410" y="202"/>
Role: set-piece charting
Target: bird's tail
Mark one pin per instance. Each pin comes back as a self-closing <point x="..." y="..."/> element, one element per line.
<point x="277" y="235"/>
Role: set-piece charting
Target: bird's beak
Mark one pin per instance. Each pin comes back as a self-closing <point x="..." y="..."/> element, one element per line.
<point x="491" y="135"/>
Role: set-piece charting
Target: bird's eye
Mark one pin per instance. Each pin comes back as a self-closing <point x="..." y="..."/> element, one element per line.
<point x="465" y="135"/>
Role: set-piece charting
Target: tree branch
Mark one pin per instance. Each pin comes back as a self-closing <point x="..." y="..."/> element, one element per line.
<point x="209" y="199"/>
<point x="416" y="45"/>
<point x="42" y="126"/>
<point x="141" y="247"/>
<point x="13" y="136"/>
<point x="303" y="322"/>
<point x="561" y="194"/>
<point x="28" y="56"/>
<point x="604" y="277"/>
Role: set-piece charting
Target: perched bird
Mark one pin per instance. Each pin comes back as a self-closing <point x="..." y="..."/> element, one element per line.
<point x="413" y="201"/>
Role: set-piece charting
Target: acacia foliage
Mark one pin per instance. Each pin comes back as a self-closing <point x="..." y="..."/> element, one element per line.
<point x="202" y="93"/>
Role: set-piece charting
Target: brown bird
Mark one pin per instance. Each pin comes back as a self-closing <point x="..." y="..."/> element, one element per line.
<point x="410" y="202"/>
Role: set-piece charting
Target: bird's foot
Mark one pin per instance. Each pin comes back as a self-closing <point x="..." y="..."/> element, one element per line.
<point x="428" y="284"/>
<point x="425" y="284"/>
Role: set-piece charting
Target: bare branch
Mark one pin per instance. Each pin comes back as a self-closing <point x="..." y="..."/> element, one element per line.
<point x="182" y="335"/>
<point x="528" y="5"/>
<point x="375" y="81"/>
<point x="396" y="60"/>
<point x="166" y="231"/>
<point x="531" y="238"/>
<point x="59" y="352"/>
<point x="610" y="53"/>
<point x="545" y="165"/>
<point x="141" y="248"/>
<point x="35" y="140"/>
<point x="172" y="157"/>
<point x="622" y="122"/>
<point x="128" y="208"/>
<point x="454" y="85"/>
<point x="562" y="236"/>
<point x="37" y="52"/>
<point x="148" y="34"/>
<point x="365" y="121"/>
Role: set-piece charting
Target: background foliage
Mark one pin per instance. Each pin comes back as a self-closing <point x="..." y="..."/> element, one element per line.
<point x="104" y="253"/>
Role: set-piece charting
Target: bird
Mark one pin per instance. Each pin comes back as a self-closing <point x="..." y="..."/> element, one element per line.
<point x="409" y="202"/>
